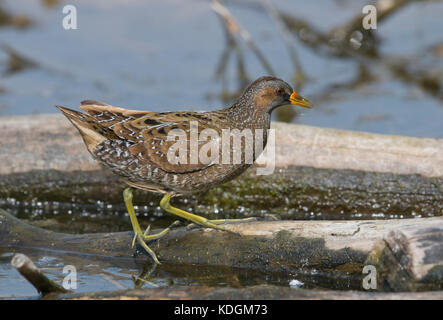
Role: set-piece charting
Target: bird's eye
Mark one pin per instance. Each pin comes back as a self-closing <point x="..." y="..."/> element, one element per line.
<point x="279" y="91"/>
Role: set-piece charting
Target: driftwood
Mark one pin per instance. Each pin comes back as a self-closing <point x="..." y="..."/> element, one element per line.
<point x="407" y="254"/>
<point x="27" y="269"/>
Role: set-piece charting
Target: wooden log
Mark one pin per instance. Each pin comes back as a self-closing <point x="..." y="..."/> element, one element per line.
<point x="323" y="173"/>
<point x="276" y="246"/>
<point x="406" y="255"/>
<point x="45" y="142"/>
<point x="262" y="292"/>
<point x="319" y="171"/>
<point x="292" y="193"/>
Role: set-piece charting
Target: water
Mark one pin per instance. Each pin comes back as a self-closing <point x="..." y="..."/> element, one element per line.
<point x="108" y="274"/>
<point x="162" y="55"/>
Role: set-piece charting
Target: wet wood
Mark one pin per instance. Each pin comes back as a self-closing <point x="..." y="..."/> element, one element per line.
<point x="290" y="193"/>
<point x="406" y="255"/>
<point x="277" y="246"/>
<point x="262" y="292"/>
<point x="319" y="171"/>
<point x="30" y="272"/>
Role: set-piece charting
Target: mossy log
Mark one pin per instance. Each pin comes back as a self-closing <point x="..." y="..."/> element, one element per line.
<point x="407" y="254"/>
<point x="321" y="173"/>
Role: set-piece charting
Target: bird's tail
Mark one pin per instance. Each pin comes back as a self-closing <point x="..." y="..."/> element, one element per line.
<point x="92" y="132"/>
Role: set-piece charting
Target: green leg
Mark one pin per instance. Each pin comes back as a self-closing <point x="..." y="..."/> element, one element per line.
<point x="140" y="236"/>
<point x="228" y="221"/>
<point x="224" y="221"/>
<point x="214" y="224"/>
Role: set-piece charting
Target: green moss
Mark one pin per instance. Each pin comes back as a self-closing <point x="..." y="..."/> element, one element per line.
<point x="294" y="193"/>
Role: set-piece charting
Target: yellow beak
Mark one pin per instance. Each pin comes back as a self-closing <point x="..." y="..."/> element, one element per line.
<point x="299" y="100"/>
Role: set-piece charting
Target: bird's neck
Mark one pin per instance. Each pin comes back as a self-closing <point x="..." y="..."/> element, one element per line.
<point x="244" y="115"/>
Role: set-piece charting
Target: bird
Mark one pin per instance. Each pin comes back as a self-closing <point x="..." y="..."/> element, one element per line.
<point x="148" y="150"/>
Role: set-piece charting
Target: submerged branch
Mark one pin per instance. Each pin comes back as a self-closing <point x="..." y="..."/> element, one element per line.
<point x="30" y="272"/>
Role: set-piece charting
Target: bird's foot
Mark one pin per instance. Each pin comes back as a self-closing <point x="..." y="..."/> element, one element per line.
<point x="198" y="220"/>
<point x="142" y="239"/>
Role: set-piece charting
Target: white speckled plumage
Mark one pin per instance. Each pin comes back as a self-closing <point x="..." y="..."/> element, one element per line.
<point x="133" y="144"/>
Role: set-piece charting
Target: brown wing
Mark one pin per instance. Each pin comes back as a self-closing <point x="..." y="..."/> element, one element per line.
<point x="151" y="133"/>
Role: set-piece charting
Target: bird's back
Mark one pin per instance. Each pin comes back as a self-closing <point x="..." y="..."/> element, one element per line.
<point x="135" y="145"/>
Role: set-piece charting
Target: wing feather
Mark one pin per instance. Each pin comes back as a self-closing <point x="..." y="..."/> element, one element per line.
<point x="148" y="133"/>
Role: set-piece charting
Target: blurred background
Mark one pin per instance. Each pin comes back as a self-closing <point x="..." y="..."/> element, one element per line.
<point x="196" y="54"/>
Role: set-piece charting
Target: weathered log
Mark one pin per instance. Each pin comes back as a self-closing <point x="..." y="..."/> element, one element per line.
<point x="322" y="173"/>
<point x="44" y="160"/>
<point x="50" y="142"/>
<point x="262" y="292"/>
<point x="276" y="246"/>
<point x="408" y="254"/>
<point x="30" y="272"/>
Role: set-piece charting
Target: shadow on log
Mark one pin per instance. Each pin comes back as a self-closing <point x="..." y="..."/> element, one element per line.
<point x="408" y="254"/>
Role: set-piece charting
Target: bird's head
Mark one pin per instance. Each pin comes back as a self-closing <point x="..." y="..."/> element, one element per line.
<point x="268" y="93"/>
